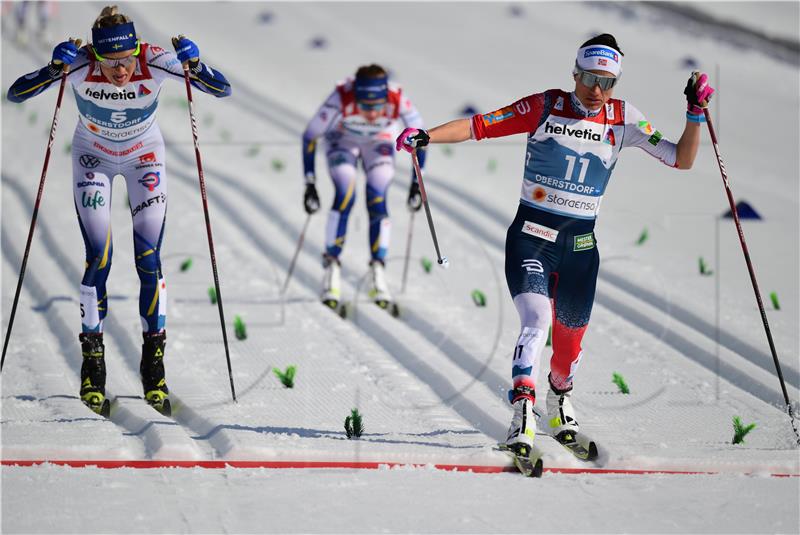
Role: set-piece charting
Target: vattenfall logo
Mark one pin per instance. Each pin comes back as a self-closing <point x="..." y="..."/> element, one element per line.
<point x="561" y="129"/>
<point x="111" y="95"/>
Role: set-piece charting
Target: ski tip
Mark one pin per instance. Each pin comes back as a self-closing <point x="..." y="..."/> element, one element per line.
<point x="593" y="453"/>
<point x="395" y="310"/>
<point x="105" y="410"/>
<point x="538" y="468"/>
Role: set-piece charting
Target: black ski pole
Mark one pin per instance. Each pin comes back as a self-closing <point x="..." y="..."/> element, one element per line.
<point x="439" y="258"/>
<point x="750" y="270"/>
<point x="36" y="204"/>
<point x="296" y="254"/>
<point x="208" y="219"/>
<point x="408" y="251"/>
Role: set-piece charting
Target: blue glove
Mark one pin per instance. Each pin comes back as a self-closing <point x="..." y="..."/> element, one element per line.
<point x="186" y="49"/>
<point x="65" y="53"/>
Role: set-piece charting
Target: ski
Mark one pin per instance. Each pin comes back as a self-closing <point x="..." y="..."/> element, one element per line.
<point x="578" y="444"/>
<point x="339" y="307"/>
<point x="390" y="307"/>
<point x="527" y="459"/>
<point x="103" y="408"/>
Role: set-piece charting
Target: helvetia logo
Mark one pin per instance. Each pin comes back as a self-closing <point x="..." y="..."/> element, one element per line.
<point x="564" y="130"/>
<point x="110" y="95"/>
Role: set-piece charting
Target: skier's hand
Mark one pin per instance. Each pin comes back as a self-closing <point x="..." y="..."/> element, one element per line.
<point x="698" y="93"/>
<point x="311" y="199"/>
<point x="412" y="138"/>
<point x="414" y="197"/>
<point x="187" y="51"/>
<point x="65" y="53"/>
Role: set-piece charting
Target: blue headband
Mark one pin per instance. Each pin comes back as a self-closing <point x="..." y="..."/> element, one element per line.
<point x="372" y="88"/>
<point x="114" y="39"/>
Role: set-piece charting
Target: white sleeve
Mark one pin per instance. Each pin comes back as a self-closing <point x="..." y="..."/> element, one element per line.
<point x="409" y="113"/>
<point x="326" y="116"/>
<point x="163" y="63"/>
<point x="640" y="133"/>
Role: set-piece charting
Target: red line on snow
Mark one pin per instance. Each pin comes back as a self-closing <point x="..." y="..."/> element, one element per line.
<point x="482" y="469"/>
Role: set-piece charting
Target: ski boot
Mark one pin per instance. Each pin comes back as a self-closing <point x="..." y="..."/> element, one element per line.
<point x="560" y="413"/>
<point x="151" y="368"/>
<point x="523" y="423"/>
<point x="93" y="373"/>
<point x="332" y="282"/>
<point x="521" y="433"/>
<point x="379" y="291"/>
<point x="563" y="425"/>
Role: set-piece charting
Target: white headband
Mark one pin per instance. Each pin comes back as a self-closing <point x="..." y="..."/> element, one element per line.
<point x="599" y="57"/>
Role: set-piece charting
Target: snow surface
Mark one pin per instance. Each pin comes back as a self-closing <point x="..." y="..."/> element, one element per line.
<point x="431" y="385"/>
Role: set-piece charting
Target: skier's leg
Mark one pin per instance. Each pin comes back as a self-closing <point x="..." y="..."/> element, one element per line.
<point x="342" y="168"/>
<point x="146" y="180"/>
<point x="573" y="298"/>
<point x="378" y="159"/>
<point x="528" y="264"/>
<point x="91" y="188"/>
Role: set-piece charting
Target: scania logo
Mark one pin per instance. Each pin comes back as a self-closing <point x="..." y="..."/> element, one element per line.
<point x="88" y="161"/>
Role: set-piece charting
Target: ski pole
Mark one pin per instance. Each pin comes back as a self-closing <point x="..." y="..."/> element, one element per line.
<point x="296" y="254"/>
<point x="208" y="219"/>
<point x="36" y="204"/>
<point x="439" y="258"/>
<point x="408" y="251"/>
<point x="750" y="270"/>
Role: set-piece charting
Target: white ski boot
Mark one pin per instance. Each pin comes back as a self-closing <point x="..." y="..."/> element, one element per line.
<point x="523" y="426"/>
<point x="379" y="292"/>
<point x="332" y="281"/>
<point x="560" y="413"/>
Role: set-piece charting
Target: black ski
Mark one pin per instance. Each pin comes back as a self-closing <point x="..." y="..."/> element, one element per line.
<point x="527" y="459"/>
<point x="578" y="444"/>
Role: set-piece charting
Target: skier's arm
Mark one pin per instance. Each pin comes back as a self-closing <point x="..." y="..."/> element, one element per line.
<point x="326" y="116"/>
<point x="201" y="76"/>
<point x="37" y="82"/>
<point x="686" y="149"/>
<point x="640" y="133"/>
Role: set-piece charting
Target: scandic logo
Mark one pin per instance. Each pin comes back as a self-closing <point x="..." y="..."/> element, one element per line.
<point x="540" y="231"/>
<point x="111" y="95"/>
<point x="561" y="129"/>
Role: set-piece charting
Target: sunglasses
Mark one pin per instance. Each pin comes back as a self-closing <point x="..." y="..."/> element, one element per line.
<point x="371" y="106"/>
<point x="127" y="61"/>
<point x="590" y="80"/>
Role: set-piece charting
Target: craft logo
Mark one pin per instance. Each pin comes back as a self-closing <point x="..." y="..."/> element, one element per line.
<point x="158" y="199"/>
<point x="150" y="157"/>
<point x="88" y="161"/>
<point x="143" y="91"/>
<point x="150" y="180"/>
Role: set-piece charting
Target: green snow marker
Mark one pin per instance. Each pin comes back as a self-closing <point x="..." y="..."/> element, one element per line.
<point x="225" y="135"/>
<point x="774" y="298"/>
<point x="427" y="265"/>
<point x="253" y="151"/>
<point x="492" y="165"/>
<point x="186" y="264"/>
<point x="642" y="237"/>
<point x="68" y="148"/>
<point x="549" y="337"/>
<point x="618" y="380"/>
<point x="354" y="424"/>
<point x="286" y="378"/>
<point x="208" y="120"/>
<point x="478" y="298"/>
<point x="277" y="165"/>
<point x="447" y="150"/>
<point x="740" y="430"/>
<point x="212" y="295"/>
<point x="704" y="267"/>
<point x="32" y="117"/>
<point x="239" y="328"/>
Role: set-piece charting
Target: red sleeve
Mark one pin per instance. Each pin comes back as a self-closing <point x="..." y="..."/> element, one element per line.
<point x="518" y="118"/>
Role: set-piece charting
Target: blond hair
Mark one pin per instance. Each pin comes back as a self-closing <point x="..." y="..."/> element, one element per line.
<point x="110" y="16"/>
